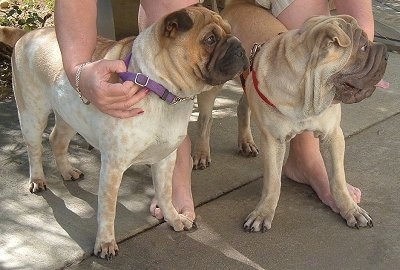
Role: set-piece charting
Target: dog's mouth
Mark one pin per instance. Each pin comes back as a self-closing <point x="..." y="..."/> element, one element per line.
<point x="348" y="93"/>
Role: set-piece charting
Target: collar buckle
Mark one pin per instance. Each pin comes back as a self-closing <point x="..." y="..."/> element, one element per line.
<point x="138" y="81"/>
<point x="179" y="99"/>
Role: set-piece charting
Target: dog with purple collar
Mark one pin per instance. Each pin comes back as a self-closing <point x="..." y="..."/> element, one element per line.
<point x="163" y="63"/>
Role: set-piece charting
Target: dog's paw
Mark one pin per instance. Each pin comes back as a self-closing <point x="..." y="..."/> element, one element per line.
<point x="201" y="160"/>
<point x="71" y="174"/>
<point x="106" y="250"/>
<point x="37" y="185"/>
<point x="256" y="222"/>
<point x="248" y="149"/>
<point x="357" y="217"/>
<point x="181" y="223"/>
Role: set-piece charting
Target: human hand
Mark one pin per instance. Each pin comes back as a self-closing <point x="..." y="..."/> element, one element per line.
<point x="115" y="99"/>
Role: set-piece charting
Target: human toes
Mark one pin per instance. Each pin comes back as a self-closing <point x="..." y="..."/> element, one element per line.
<point x="155" y="210"/>
<point x="188" y="213"/>
<point x="355" y="193"/>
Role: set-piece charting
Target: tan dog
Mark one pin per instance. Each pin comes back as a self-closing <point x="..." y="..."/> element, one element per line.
<point x="41" y="86"/>
<point x="10" y="35"/>
<point x="260" y="27"/>
<point x="297" y="82"/>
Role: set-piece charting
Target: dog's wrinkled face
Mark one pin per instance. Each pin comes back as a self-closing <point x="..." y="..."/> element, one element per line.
<point x="209" y="52"/>
<point x="365" y="68"/>
<point x="360" y="64"/>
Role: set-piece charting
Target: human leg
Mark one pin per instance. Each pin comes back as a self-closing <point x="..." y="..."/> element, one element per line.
<point x="181" y="184"/>
<point x="182" y="199"/>
<point x="305" y="164"/>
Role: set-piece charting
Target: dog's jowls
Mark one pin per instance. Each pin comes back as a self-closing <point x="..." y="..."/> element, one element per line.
<point x="162" y="53"/>
<point x="305" y="74"/>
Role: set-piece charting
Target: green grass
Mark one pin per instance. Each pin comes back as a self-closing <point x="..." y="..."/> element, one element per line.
<point x="27" y="14"/>
<point x="49" y="3"/>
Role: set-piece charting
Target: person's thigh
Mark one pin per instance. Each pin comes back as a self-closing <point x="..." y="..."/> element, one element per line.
<point x="294" y="15"/>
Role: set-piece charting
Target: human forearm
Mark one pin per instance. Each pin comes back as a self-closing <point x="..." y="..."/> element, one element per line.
<point x="361" y="10"/>
<point x="75" y="22"/>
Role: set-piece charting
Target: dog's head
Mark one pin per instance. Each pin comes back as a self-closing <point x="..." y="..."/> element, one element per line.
<point x="194" y="47"/>
<point x="343" y="53"/>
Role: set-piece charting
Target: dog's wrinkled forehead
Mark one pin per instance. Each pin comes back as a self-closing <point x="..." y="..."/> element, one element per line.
<point x="338" y="28"/>
<point x="340" y="20"/>
<point x="194" y="17"/>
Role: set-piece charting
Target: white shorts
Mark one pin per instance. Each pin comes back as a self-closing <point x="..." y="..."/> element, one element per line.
<point x="276" y="6"/>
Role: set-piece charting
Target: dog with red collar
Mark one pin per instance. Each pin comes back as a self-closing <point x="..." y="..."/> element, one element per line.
<point x="335" y="63"/>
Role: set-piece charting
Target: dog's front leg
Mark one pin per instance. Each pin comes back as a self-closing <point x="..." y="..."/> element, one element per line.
<point x="333" y="149"/>
<point x="247" y="146"/>
<point x="162" y="181"/>
<point x="273" y="154"/>
<point x="201" y="150"/>
<point x="110" y="180"/>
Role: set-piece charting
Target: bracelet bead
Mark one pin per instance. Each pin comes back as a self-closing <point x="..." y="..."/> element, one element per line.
<point x="77" y="79"/>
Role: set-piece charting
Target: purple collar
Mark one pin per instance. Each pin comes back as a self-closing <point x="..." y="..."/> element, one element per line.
<point x="144" y="81"/>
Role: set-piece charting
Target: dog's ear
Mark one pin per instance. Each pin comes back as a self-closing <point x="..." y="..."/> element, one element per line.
<point x="178" y="21"/>
<point x="337" y="31"/>
<point x="332" y="29"/>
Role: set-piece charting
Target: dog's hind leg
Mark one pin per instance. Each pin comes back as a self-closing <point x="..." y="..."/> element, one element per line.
<point x="246" y="144"/>
<point x="33" y="120"/>
<point x="201" y="151"/>
<point x="60" y="138"/>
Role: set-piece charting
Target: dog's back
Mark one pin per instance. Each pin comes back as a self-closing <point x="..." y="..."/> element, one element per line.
<point x="10" y="35"/>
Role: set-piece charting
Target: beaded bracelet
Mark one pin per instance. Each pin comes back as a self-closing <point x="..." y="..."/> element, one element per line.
<point x="77" y="79"/>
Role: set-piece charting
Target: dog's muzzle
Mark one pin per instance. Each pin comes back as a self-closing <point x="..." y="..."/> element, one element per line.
<point x="227" y="61"/>
<point x="358" y="81"/>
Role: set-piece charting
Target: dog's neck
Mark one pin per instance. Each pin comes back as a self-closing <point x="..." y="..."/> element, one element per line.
<point x="294" y="89"/>
<point x="151" y="61"/>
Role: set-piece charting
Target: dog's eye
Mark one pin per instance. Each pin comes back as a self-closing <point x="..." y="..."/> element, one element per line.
<point x="210" y="40"/>
<point x="364" y="48"/>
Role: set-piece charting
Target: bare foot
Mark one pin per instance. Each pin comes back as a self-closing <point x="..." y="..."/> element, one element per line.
<point x="182" y="198"/>
<point x="305" y="165"/>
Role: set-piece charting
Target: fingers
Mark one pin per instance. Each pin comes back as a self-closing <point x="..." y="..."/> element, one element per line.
<point x="128" y="103"/>
<point x="117" y="92"/>
<point x="115" y="99"/>
<point x="115" y="66"/>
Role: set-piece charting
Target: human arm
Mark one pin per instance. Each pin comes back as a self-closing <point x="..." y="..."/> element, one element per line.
<point x="75" y="23"/>
<point x="361" y="10"/>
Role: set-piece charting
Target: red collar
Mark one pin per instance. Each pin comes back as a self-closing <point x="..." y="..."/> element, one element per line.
<point x="245" y="74"/>
<point x="262" y="96"/>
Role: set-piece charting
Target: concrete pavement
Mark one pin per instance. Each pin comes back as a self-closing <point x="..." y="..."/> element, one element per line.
<point x="56" y="229"/>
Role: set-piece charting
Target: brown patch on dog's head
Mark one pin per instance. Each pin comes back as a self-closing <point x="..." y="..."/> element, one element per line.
<point x="177" y="21"/>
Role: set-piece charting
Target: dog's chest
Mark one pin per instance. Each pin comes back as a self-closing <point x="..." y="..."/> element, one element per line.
<point x="150" y="137"/>
<point x="285" y="128"/>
